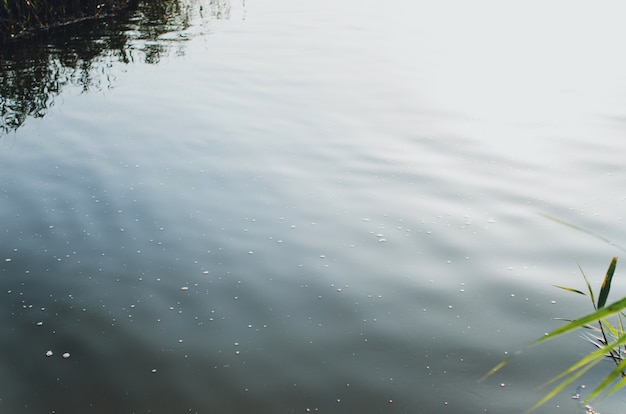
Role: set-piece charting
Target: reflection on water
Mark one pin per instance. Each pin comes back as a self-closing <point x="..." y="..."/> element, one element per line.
<point x="296" y="216"/>
<point x="35" y="71"/>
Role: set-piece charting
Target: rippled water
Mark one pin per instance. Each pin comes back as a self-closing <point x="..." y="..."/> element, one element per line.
<point x="286" y="206"/>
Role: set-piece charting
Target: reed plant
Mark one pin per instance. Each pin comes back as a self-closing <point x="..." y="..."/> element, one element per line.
<point x="603" y="327"/>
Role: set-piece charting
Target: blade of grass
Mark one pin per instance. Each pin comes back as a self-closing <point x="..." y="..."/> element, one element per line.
<point x="615" y="332"/>
<point x="569" y="289"/>
<point x="590" y="327"/>
<point x="607" y="381"/>
<point x="578" y="323"/>
<point x="499" y="366"/>
<point x="578" y="369"/>
<point x="560" y="387"/>
<point x="606" y="284"/>
<point x="594" y="357"/>
<point x="591" y="295"/>
<point x="582" y="229"/>
<point x="592" y="317"/>
<point x="616" y="387"/>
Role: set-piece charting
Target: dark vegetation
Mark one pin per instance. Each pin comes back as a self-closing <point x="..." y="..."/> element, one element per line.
<point x="20" y="18"/>
<point x="38" y="65"/>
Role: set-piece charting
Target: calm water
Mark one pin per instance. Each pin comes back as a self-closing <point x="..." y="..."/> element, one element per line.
<point x="278" y="206"/>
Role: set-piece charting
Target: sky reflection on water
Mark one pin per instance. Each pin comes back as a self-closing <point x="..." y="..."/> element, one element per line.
<point x="311" y="207"/>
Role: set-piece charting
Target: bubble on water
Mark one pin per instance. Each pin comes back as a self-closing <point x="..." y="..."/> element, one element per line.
<point x="322" y="256"/>
<point x="184" y="288"/>
<point x="250" y="252"/>
<point x="39" y="323"/>
<point x="154" y="370"/>
<point x="7" y="260"/>
<point x="206" y="272"/>
<point x="66" y="355"/>
<point x="49" y="353"/>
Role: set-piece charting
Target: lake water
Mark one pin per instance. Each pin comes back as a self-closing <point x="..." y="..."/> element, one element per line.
<point x="271" y="206"/>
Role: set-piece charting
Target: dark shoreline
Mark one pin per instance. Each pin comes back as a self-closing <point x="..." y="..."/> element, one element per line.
<point x="21" y="19"/>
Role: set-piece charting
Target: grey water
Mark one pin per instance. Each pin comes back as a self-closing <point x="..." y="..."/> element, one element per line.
<point x="277" y="206"/>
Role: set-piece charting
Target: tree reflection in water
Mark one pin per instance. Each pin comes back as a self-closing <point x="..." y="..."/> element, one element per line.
<point x="34" y="71"/>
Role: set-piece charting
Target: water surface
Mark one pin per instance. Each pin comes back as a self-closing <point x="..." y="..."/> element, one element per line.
<point x="278" y="207"/>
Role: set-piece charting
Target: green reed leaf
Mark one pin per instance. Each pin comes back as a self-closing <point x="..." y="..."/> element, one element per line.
<point x="606" y="284"/>
<point x="560" y="387"/>
<point x="569" y="289"/>
<point x="499" y="366"/>
<point x="582" y="229"/>
<point x="617" y="371"/>
<point x="579" y="368"/>
<point x="589" y="289"/>
<point x="590" y="359"/>
<point x="582" y="321"/>
<point x="616" y="387"/>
